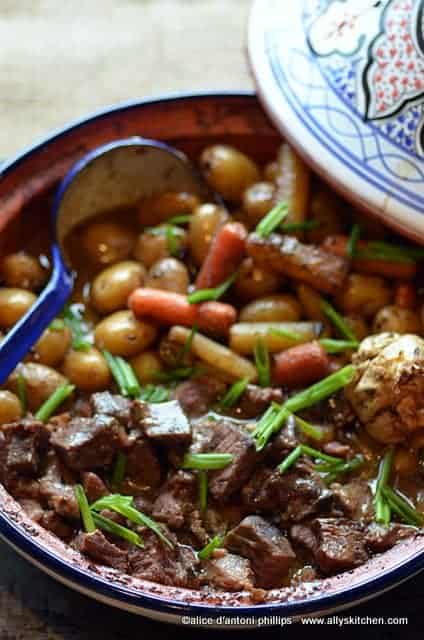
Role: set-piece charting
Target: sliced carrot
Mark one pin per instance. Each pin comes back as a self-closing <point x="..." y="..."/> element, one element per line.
<point x="406" y="295"/>
<point x="224" y="256"/>
<point x="337" y="245"/>
<point x="215" y="317"/>
<point x="301" y="365"/>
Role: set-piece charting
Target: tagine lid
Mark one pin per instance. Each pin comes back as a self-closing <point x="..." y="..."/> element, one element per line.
<point x="344" y="82"/>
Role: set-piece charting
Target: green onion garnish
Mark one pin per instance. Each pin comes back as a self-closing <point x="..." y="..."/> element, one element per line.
<point x="402" y="507"/>
<point x="186" y="348"/>
<point x="303" y="449"/>
<point x="214" y="543"/>
<point x="378" y="250"/>
<point x="57" y="325"/>
<point x="308" y="225"/>
<point x="86" y="515"/>
<point x="206" y="461"/>
<point x="51" y="404"/>
<point x="172" y="240"/>
<point x="154" y="394"/>
<point x="337" y="346"/>
<point x="203" y="490"/>
<point x="308" y="429"/>
<point x="290" y="460"/>
<point x="177" y="374"/>
<point x="338" y="321"/>
<point x="353" y="241"/>
<point x="276" y="415"/>
<point x="285" y="333"/>
<point x="182" y="219"/>
<point x="272" y="220"/>
<point x="382" y="507"/>
<point x="262" y="362"/>
<point x="124" y="505"/>
<point x="332" y="471"/>
<point x="119" y="470"/>
<point x="234" y="393"/>
<point x="123" y="374"/>
<point x="22" y="392"/>
<point x="117" y="529"/>
<point x="203" y="295"/>
<point x="72" y="316"/>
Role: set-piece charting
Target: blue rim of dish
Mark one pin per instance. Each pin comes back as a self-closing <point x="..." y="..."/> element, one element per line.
<point x="25" y="544"/>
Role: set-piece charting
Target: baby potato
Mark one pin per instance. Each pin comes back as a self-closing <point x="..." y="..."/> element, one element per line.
<point x="40" y="381"/>
<point x="278" y="308"/>
<point x="23" y="271"/>
<point x="358" y="325"/>
<point x="14" y="303"/>
<point x="328" y="210"/>
<point x="52" y="346"/>
<point x="405" y="462"/>
<point x="168" y="274"/>
<point x="146" y="366"/>
<point x="258" y="201"/>
<point x="255" y="282"/>
<point x="107" y="242"/>
<point x="204" y="222"/>
<point x="228" y="171"/>
<point x="271" y="171"/>
<point x="363" y="295"/>
<point x="111" y="288"/>
<point x="10" y="407"/>
<point x="159" y="208"/>
<point x="87" y="370"/>
<point x="123" y="335"/>
<point x="395" y="319"/>
<point x="151" y="247"/>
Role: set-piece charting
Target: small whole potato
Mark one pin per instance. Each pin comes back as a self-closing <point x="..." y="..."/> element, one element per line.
<point x="10" y="407"/>
<point x="147" y="365"/>
<point x="396" y="320"/>
<point x="228" y="171"/>
<point x="87" y="370"/>
<point x="52" y="346"/>
<point x="123" y="335"/>
<point x="363" y="295"/>
<point x="168" y="274"/>
<point x="159" y="208"/>
<point x="204" y="222"/>
<point x="14" y="303"/>
<point x="111" y="288"/>
<point x="258" y="201"/>
<point x="254" y="281"/>
<point x="358" y="325"/>
<point x="40" y="381"/>
<point x="107" y="242"/>
<point x="271" y="171"/>
<point x="278" y="308"/>
<point x="23" y="271"/>
<point x="153" y="246"/>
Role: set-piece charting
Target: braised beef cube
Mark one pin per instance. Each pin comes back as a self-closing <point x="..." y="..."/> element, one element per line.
<point x="204" y="437"/>
<point x="56" y="492"/>
<point x="21" y="446"/>
<point x="176" y="499"/>
<point x="262" y="492"/>
<point x="340" y="544"/>
<point x="269" y="551"/>
<point x="164" y="422"/>
<point x="305" y="574"/>
<point x="354" y="499"/>
<point x="51" y="521"/>
<point x="197" y="396"/>
<point x="379" y="538"/>
<point x="231" y="439"/>
<point x="94" y="486"/>
<point x="88" y="443"/>
<point x="143" y="466"/>
<point x="229" y="572"/>
<point x="159" y="563"/>
<point x="97" y="547"/>
<point x="32" y="508"/>
<point x="303" y="535"/>
<point x="283" y="442"/>
<point x="110" y="404"/>
<point x="255" y="400"/>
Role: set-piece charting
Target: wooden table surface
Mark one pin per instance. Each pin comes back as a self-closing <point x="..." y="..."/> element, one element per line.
<point x="59" y="61"/>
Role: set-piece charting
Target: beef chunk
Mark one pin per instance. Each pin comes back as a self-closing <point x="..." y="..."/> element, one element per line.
<point x="109" y="404"/>
<point x="94" y="486"/>
<point x="354" y="499"/>
<point x="379" y="538"/>
<point x="232" y="439"/>
<point x="197" y="396"/>
<point x="51" y="521"/>
<point x="255" y="400"/>
<point x="158" y="563"/>
<point x="229" y="572"/>
<point x="337" y="449"/>
<point x="265" y="546"/>
<point x="88" y="443"/>
<point x="22" y="444"/>
<point x="340" y="544"/>
<point x="303" y="535"/>
<point x="143" y="466"/>
<point x="164" y="422"/>
<point x="97" y="546"/>
<point x="176" y="499"/>
<point x="56" y="492"/>
<point x="32" y="508"/>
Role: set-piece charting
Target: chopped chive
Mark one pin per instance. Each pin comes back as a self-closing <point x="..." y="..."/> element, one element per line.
<point x="72" y="316"/>
<point x="308" y="225"/>
<point x="115" y="370"/>
<point x="334" y="470"/>
<point x="132" y="386"/>
<point x="303" y="449"/>
<point x="203" y="490"/>
<point x="57" y="325"/>
<point x="171" y="239"/>
<point x="86" y="515"/>
<point x="22" y="392"/>
<point x="117" y="529"/>
<point x="308" y="429"/>
<point x="177" y="374"/>
<point x="338" y="321"/>
<point x="337" y="346"/>
<point x="262" y="362"/>
<point x="290" y="460"/>
<point x="353" y="240"/>
<point x="272" y="220"/>
<point x="234" y="393"/>
<point x="206" y="461"/>
<point x="285" y="333"/>
<point x="154" y="394"/>
<point x="186" y="348"/>
<point x="382" y="508"/>
<point x="51" y="404"/>
<point x="119" y="470"/>
<point x="124" y="505"/>
<point x="203" y="295"/>
<point x="402" y="508"/>
<point x="378" y="250"/>
<point x="207" y="551"/>
<point x="182" y="219"/>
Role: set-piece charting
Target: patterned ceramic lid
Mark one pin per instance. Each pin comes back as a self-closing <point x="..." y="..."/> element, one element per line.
<point x="344" y="80"/>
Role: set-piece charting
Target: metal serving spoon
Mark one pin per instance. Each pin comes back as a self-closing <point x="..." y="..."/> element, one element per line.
<point x="113" y="176"/>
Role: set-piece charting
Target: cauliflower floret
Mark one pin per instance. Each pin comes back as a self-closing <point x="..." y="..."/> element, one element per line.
<point x="387" y="393"/>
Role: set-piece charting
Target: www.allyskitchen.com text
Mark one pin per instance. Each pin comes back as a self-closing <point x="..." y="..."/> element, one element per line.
<point x="280" y="621"/>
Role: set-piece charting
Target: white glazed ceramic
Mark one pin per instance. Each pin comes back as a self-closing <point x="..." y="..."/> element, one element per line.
<point x="344" y="81"/>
